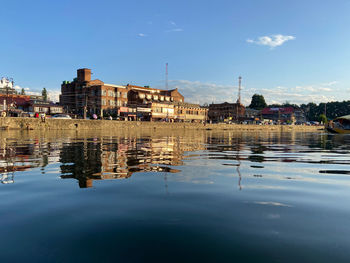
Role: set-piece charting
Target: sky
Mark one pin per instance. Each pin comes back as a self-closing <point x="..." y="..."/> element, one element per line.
<point x="288" y="51"/>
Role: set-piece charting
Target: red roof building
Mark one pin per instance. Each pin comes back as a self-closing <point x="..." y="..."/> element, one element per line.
<point x="283" y="114"/>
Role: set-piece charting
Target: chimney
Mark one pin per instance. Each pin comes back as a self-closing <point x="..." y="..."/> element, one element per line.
<point x="84" y="74"/>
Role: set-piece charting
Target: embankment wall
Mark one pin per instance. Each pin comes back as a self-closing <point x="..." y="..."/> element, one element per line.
<point x="7" y="123"/>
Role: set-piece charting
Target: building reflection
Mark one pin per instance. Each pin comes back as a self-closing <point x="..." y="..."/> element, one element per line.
<point x="119" y="158"/>
<point x="86" y="158"/>
<point x="18" y="156"/>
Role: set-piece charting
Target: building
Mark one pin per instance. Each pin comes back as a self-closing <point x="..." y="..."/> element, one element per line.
<point x="7" y="87"/>
<point x="281" y="114"/>
<point x="224" y="112"/>
<point x="252" y="115"/>
<point x="86" y="96"/>
<point x="188" y="112"/>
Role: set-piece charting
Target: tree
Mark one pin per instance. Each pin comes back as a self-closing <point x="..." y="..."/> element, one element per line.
<point x="258" y="102"/>
<point x="44" y="94"/>
<point x="322" y="118"/>
<point x="23" y="92"/>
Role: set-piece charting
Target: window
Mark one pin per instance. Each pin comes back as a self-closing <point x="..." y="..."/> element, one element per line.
<point x="111" y="102"/>
<point x="104" y="93"/>
<point x="103" y="101"/>
<point x="167" y="98"/>
<point x="119" y="103"/>
<point x="142" y="96"/>
<point x="118" y="94"/>
<point x="111" y="93"/>
<point x="125" y="95"/>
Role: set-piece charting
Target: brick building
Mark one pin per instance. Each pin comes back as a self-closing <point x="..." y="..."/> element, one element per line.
<point x="103" y="99"/>
<point x="94" y="96"/>
<point x="226" y="112"/>
<point x="128" y="102"/>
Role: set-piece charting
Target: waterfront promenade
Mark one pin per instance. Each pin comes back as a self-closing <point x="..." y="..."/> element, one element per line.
<point x="77" y="124"/>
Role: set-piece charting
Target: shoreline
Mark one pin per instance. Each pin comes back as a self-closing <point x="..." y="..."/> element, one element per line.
<point x="17" y="123"/>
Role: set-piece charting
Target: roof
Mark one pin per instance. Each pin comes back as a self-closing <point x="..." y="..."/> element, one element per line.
<point x="346" y="117"/>
<point x="19" y="100"/>
<point x="284" y="110"/>
<point x="115" y="86"/>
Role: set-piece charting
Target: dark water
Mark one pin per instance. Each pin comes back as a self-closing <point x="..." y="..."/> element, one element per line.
<point x="176" y="197"/>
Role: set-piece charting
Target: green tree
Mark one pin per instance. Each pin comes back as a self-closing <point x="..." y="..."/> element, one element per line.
<point x="44" y="94"/>
<point x="258" y="102"/>
<point x="322" y="118"/>
<point x="23" y="92"/>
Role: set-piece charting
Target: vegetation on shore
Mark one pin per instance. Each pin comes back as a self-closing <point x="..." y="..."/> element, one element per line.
<point x="313" y="111"/>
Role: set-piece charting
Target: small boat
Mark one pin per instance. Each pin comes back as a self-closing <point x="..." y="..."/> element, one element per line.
<point x="339" y="125"/>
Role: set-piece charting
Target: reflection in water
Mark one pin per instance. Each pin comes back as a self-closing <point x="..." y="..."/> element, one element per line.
<point x="245" y="197"/>
<point x="111" y="158"/>
<point x="98" y="157"/>
<point x="88" y="158"/>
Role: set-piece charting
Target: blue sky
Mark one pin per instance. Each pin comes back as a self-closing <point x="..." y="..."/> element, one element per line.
<point x="296" y="51"/>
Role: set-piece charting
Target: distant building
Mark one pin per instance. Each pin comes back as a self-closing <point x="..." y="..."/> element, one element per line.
<point x="14" y="103"/>
<point x="252" y="115"/>
<point x="226" y="112"/>
<point x="6" y="87"/>
<point x="281" y="114"/>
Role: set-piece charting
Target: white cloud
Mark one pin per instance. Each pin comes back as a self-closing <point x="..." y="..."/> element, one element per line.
<point x="204" y="92"/>
<point x="271" y="41"/>
<point x="142" y="35"/>
<point x="53" y="95"/>
<point x="175" y="30"/>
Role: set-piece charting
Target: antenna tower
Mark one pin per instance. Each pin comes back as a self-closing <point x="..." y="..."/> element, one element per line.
<point x="239" y="90"/>
<point x="166" y="76"/>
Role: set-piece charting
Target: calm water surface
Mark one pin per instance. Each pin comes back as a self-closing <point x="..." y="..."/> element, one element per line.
<point x="176" y="197"/>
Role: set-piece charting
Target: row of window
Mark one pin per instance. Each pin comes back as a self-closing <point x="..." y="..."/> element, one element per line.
<point x="155" y="97"/>
<point x="119" y="103"/>
<point x="109" y="93"/>
<point x="191" y="112"/>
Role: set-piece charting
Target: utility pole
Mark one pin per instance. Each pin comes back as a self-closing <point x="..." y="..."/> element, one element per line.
<point x="239" y="89"/>
<point x="85" y="106"/>
<point x="85" y="101"/>
<point x="238" y="104"/>
<point x="7" y="98"/>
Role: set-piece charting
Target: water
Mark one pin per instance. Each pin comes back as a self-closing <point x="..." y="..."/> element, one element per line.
<point x="173" y="197"/>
